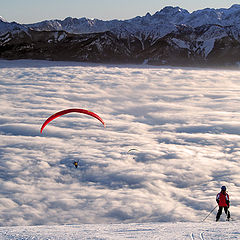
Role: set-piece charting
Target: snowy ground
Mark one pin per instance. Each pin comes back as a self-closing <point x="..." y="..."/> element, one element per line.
<point x="184" y="123"/>
<point x="160" y="231"/>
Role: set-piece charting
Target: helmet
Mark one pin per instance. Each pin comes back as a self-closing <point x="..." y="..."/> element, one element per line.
<point x="223" y="188"/>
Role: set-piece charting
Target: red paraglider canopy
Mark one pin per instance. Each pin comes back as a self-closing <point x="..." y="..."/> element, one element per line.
<point x="58" y="114"/>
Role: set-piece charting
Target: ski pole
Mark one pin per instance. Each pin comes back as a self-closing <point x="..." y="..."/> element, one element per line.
<point x="209" y="214"/>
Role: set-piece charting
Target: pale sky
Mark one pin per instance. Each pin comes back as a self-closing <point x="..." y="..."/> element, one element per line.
<point x="31" y="11"/>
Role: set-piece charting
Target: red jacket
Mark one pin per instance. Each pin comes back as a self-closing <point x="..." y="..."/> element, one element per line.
<point x="222" y="199"/>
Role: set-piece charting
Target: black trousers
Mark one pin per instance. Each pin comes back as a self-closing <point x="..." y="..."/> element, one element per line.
<point x="219" y="213"/>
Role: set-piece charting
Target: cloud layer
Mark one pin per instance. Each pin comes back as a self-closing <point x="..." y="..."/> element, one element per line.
<point x="184" y="124"/>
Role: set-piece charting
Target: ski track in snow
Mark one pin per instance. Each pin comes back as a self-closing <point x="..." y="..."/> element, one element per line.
<point x="192" y="236"/>
<point x="200" y="236"/>
<point x="183" y="121"/>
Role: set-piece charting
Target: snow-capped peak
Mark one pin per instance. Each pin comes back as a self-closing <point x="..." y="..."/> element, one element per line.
<point x="169" y="10"/>
<point x="2" y="19"/>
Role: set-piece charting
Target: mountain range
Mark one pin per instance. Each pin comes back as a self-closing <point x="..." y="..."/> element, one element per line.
<point x="171" y="36"/>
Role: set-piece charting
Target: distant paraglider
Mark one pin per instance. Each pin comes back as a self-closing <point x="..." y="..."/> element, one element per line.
<point x="132" y="149"/>
<point x="78" y="110"/>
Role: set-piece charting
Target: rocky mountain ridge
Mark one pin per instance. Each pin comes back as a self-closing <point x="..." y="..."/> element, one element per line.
<point x="172" y="36"/>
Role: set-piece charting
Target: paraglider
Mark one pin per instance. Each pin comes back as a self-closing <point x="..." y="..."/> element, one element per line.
<point x="132" y="149"/>
<point x="78" y="110"/>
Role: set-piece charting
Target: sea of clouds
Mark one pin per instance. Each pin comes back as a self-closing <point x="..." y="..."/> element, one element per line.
<point x="183" y="122"/>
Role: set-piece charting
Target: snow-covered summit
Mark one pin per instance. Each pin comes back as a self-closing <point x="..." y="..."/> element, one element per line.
<point x="171" y="14"/>
<point x="10" y="27"/>
<point x="2" y="19"/>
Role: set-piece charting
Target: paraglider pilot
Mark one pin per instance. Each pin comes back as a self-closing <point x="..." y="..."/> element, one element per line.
<point x="223" y="202"/>
<point x="75" y="164"/>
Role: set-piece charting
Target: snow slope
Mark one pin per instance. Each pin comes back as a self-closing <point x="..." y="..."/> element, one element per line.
<point x="141" y="231"/>
<point x="183" y="121"/>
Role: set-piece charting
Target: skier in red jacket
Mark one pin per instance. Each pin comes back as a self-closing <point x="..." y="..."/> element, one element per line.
<point x="223" y="202"/>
